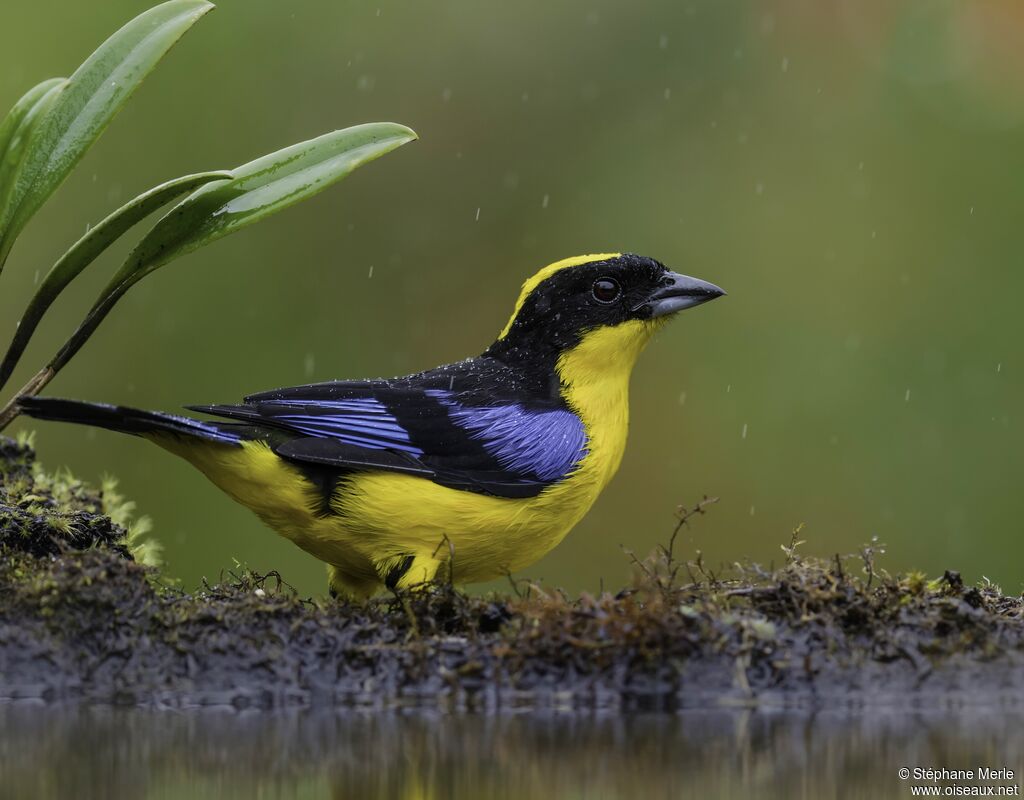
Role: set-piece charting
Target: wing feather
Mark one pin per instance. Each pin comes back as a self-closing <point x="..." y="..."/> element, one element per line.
<point x="491" y="440"/>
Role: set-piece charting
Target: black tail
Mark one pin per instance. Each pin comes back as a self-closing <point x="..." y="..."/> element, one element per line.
<point x="126" y="420"/>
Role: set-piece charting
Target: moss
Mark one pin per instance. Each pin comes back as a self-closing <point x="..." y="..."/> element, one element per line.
<point x="80" y="619"/>
<point x="45" y="515"/>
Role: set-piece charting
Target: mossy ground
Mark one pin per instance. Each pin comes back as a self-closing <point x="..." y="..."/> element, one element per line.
<point x="82" y="618"/>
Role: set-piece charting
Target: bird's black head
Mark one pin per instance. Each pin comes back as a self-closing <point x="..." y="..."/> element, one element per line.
<point x="624" y="296"/>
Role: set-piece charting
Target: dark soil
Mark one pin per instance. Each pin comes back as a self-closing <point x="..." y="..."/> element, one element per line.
<point x="80" y="619"/>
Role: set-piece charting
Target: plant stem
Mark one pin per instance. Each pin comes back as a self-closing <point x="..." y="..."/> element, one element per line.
<point x="74" y="343"/>
<point x="10" y="411"/>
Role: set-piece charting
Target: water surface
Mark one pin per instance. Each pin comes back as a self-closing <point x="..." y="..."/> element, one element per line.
<point x="112" y="753"/>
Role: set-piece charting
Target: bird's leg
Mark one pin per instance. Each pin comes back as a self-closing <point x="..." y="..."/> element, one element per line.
<point x="408" y="570"/>
<point x="343" y="586"/>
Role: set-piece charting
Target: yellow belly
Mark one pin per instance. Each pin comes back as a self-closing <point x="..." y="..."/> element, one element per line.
<point x="486" y="537"/>
<point x="383" y="516"/>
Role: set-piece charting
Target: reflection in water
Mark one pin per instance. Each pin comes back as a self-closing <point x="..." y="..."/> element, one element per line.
<point x="101" y="752"/>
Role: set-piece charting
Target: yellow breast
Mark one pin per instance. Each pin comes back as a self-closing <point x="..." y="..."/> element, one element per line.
<point x="491" y="536"/>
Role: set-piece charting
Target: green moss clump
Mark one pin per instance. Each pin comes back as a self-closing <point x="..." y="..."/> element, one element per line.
<point x="46" y="514"/>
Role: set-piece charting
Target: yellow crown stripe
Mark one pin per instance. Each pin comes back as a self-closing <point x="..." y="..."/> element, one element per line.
<point x="547" y="272"/>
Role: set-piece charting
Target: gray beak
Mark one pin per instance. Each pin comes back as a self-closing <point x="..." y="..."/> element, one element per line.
<point x="678" y="292"/>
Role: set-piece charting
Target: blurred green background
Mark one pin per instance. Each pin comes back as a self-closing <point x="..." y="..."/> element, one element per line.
<point x="850" y="172"/>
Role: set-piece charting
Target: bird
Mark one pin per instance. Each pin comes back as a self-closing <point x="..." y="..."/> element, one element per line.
<point x="469" y="471"/>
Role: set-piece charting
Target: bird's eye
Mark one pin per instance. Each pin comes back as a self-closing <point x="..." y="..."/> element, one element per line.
<point x="606" y="290"/>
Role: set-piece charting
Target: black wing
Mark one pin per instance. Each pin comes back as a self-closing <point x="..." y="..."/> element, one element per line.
<point x="471" y="426"/>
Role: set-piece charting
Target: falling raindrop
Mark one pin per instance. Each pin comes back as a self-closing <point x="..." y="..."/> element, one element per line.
<point x="446" y="94"/>
<point x="785" y="65"/>
<point x="999" y="367"/>
<point x="544" y="202"/>
<point x="663" y="41"/>
<point x="744" y="434"/>
<point x="668" y="94"/>
<point x="371" y="271"/>
<point x="751" y="511"/>
<point x="478" y="213"/>
<point x="682" y="398"/>
<point x="309" y="365"/>
<point x="906" y="397"/>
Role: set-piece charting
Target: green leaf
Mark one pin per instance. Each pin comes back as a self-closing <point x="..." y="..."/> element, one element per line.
<point x="16" y="130"/>
<point x="88" y="248"/>
<point x="93" y="96"/>
<point x="257" y="190"/>
<point x="10" y="128"/>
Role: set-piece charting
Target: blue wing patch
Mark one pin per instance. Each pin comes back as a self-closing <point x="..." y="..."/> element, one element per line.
<point x="364" y="421"/>
<point x="547" y="444"/>
<point x="508" y="450"/>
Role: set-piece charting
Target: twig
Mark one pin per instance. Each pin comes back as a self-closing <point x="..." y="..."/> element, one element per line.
<point x="514" y="583"/>
<point x="11" y="411"/>
<point x="684" y="518"/>
<point x="451" y="557"/>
